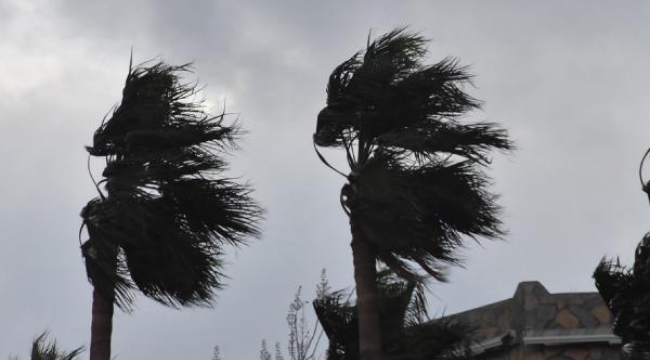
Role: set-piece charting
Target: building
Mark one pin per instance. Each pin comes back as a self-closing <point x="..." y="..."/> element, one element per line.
<point x="537" y="325"/>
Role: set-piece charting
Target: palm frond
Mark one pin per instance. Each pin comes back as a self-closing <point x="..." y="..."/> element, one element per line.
<point x="438" y="340"/>
<point x="44" y="350"/>
<point x="611" y="277"/>
<point x="436" y="139"/>
<point x="421" y="213"/>
<point x="627" y="293"/>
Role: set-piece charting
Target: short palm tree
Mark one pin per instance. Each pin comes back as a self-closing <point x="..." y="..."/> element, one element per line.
<point x="163" y="217"/>
<point x="627" y="295"/>
<point x="407" y="332"/>
<point x="415" y="185"/>
<point x="626" y="291"/>
<point x="44" y="350"/>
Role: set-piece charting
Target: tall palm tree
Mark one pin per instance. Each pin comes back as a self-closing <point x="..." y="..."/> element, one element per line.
<point x="407" y="332"/>
<point x="161" y="221"/>
<point x="415" y="186"/>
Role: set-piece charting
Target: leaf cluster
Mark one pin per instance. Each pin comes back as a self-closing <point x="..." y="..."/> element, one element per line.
<point x="626" y="292"/>
<point x="49" y="350"/>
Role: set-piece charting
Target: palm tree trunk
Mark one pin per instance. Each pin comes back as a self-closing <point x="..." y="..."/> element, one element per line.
<point x="101" y="328"/>
<point x="365" y="277"/>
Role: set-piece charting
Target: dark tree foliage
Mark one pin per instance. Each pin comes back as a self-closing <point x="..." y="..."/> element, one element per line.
<point x="416" y="184"/>
<point x="407" y="332"/>
<point x="627" y="294"/>
<point x="164" y="216"/>
<point x="42" y="349"/>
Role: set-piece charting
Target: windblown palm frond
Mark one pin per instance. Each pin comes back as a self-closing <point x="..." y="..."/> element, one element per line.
<point x="407" y="333"/>
<point x="627" y="294"/>
<point x="161" y="223"/>
<point x="416" y="185"/>
<point x="44" y="350"/>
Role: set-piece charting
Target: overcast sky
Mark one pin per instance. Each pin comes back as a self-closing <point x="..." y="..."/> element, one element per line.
<point x="569" y="80"/>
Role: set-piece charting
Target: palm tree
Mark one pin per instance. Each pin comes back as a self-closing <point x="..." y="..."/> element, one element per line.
<point x="626" y="291"/>
<point x="42" y="350"/>
<point x="407" y="333"/>
<point x="415" y="186"/>
<point x="627" y="295"/>
<point x="163" y="217"/>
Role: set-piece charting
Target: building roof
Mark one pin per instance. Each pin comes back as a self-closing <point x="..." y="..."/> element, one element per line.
<point x="535" y="316"/>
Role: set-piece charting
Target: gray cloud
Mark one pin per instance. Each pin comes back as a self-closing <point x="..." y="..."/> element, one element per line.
<point x="567" y="80"/>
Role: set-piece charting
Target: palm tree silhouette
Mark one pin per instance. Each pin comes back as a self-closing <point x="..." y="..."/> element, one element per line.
<point x="407" y="332"/>
<point x="627" y="295"/>
<point x="415" y="185"/>
<point x="42" y="349"/>
<point x="160" y="225"/>
<point x="626" y="291"/>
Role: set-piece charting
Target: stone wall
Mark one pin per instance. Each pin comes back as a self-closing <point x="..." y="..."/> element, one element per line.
<point x="533" y="307"/>
<point x="572" y="352"/>
<point x="540" y="352"/>
<point x="535" y="313"/>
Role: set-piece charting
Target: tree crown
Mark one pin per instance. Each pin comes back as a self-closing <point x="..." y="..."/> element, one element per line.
<point x="415" y="184"/>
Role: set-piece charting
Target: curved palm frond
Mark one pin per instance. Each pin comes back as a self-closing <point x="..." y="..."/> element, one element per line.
<point x="165" y="217"/>
<point x="627" y="294"/>
<point x="43" y="350"/>
<point x="417" y="184"/>
<point x="407" y="332"/>
<point x="420" y="213"/>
